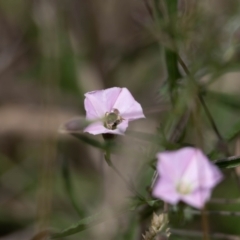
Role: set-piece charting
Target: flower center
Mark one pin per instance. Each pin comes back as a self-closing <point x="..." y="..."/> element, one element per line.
<point x="112" y="119"/>
<point x="184" y="188"/>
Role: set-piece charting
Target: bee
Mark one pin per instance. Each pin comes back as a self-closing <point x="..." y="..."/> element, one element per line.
<point x="112" y="119"/>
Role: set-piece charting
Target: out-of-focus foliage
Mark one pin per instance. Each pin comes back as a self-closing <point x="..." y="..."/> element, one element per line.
<point x="174" y="57"/>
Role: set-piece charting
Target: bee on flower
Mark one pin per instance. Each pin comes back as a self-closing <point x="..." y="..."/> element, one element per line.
<point x="110" y="110"/>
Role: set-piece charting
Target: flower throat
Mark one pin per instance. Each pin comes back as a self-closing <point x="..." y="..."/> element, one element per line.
<point x="112" y="119"/>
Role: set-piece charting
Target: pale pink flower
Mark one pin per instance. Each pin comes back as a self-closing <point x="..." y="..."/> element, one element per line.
<point x="186" y="175"/>
<point x="110" y="110"/>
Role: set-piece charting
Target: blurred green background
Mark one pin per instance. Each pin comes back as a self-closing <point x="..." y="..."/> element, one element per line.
<point x="54" y="51"/>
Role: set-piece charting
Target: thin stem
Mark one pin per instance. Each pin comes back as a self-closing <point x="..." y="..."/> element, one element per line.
<point x="154" y="178"/>
<point x="228" y="162"/>
<point x="228" y="159"/>
<point x="87" y="223"/>
<point x="219" y="213"/>
<point x="203" y="212"/>
<point x="183" y="65"/>
<point x="176" y="133"/>
<point x="198" y="234"/>
<point x="214" y="126"/>
<point x="69" y="187"/>
<point x="174" y="136"/>
<point x="225" y="201"/>
<point x="205" y="224"/>
<point x="165" y="207"/>
<point x="102" y="173"/>
<point x="66" y="176"/>
<point x="129" y="184"/>
<point x="146" y="3"/>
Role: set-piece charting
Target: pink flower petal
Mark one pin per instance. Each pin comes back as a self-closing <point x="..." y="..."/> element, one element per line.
<point x="91" y="112"/>
<point x="211" y="175"/>
<point x="189" y="174"/>
<point x="128" y="107"/>
<point x="134" y="112"/>
<point x="165" y="190"/>
<point x="94" y="105"/>
<point x="201" y="171"/>
<point x="174" y="162"/>
<point x="197" y="198"/>
<point x="121" y="128"/>
<point x="111" y="95"/>
<point x="95" y="128"/>
<point x="98" y="128"/>
<point x="98" y="103"/>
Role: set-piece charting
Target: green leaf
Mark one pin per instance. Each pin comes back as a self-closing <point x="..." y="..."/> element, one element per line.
<point x="172" y="7"/>
<point x="171" y="58"/>
<point x="68" y="184"/>
<point x="75" y="127"/>
<point x="234" y="132"/>
<point x="232" y="101"/>
<point x="153" y="203"/>
<point x="136" y="202"/>
<point x="90" y="141"/>
<point x="78" y="227"/>
<point x="85" y="224"/>
<point x="174" y="75"/>
<point x="230" y="162"/>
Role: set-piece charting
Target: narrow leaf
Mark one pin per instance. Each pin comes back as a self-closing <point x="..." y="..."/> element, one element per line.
<point x="171" y="59"/>
<point x="85" y="224"/>
<point x="90" y="141"/>
<point x="234" y="132"/>
<point x="232" y="101"/>
<point x="78" y="227"/>
<point x="230" y="162"/>
<point x="69" y="186"/>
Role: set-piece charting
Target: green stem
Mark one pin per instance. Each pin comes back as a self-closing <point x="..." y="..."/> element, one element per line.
<point x="220" y="213"/>
<point x="130" y="185"/>
<point x="214" y="126"/>
<point x="230" y="162"/>
<point x="198" y="234"/>
<point x="68" y="186"/>
<point x="209" y="115"/>
<point x="86" y="223"/>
